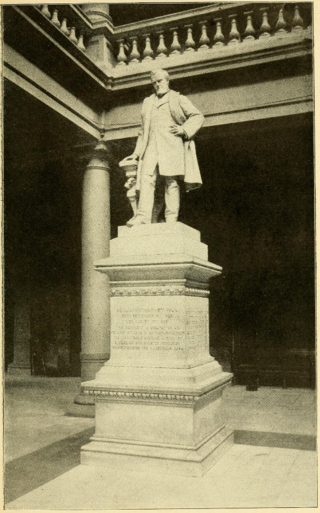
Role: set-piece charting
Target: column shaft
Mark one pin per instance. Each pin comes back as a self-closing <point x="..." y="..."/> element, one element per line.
<point x="95" y="307"/>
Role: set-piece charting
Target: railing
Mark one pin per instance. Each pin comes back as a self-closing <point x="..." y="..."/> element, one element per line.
<point x="71" y="21"/>
<point x="212" y="27"/>
<point x="207" y="28"/>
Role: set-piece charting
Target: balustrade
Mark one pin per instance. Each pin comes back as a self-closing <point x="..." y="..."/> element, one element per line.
<point x="227" y="26"/>
<point x="201" y="29"/>
<point x="74" y="33"/>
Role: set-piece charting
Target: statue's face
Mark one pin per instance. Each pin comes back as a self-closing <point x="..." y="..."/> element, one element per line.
<point x="160" y="84"/>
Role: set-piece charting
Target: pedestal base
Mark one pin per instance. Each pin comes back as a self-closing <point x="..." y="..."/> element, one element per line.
<point x="168" y="431"/>
<point x="185" y="461"/>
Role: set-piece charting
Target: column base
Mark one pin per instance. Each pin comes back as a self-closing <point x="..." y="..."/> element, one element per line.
<point x="19" y="369"/>
<point x="90" y="365"/>
<point x="83" y="399"/>
<point x="81" y="410"/>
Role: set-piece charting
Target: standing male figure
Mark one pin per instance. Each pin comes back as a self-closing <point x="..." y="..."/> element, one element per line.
<point x="165" y="146"/>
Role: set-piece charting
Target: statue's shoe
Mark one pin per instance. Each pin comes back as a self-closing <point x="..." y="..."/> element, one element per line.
<point x="136" y="221"/>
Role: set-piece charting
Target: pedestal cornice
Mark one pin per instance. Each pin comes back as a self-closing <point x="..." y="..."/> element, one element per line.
<point x="154" y="268"/>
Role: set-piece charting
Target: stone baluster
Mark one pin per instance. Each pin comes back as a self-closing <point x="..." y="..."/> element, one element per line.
<point x="45" y="11"/>
<point x="234" y="35"/>
<point x="219" y="38"/>
<point x="95" y="295"/>
<point x="54" y="19"/>
<point x="175" y="46"/>
<point x="64" y="28"/>
<point x="80" y="43"/>
<point x="204" y="40"/>
<point x="249" y="33"/>
<point x="162" y="49"/>
<point x="189" y="44"/>
<point x="134" y="54"/>
<point x="265" y="28"/>
<point x="297" y="22"/>
<point x="147" y="52"/>
<point x="122" y="58"/>
<point x="73" y="36"/>
<point x="281" y="24"/>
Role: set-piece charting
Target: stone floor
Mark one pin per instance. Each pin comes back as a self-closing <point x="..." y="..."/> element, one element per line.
<point x="272" y="464"/>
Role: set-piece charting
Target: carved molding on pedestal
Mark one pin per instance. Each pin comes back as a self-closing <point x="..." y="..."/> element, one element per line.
<point x="145" y="397"/>
<point x="167" y="290"/>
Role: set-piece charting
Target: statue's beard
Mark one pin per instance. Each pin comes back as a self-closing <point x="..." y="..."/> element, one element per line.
<point x="162" y="92"/>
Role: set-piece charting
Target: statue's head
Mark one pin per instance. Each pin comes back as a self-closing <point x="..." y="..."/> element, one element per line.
<point x="160" y="81"/>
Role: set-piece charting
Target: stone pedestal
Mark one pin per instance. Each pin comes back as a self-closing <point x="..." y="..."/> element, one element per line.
<point x="158" y="398"/>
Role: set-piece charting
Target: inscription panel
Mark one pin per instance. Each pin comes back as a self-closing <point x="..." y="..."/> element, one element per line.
<point x="197" y="329"/>
<point x="150" y="329"/>
<point x="159" y="329"/>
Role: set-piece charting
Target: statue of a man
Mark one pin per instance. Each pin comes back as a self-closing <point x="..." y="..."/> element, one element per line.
<point x="165" y="147"/>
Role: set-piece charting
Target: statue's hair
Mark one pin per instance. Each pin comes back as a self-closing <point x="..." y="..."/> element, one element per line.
<point x="160" y="70"/>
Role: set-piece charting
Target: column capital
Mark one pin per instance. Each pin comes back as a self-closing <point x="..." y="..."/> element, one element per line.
<point x="97" y="12"/>
<point x="100" y="155"/>
<point x="101" y="147"/>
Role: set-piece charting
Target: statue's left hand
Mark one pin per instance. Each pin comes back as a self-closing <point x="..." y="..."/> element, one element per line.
<point x="134" y="156"/>
<point x="177" y="130"/>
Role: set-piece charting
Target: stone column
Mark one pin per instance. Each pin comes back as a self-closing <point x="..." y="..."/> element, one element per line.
<point x="95" y="306"/>
<point x="21" y="336"/>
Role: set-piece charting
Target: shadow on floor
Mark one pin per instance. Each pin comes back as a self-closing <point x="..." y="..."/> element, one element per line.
<point x="37" y="468"/>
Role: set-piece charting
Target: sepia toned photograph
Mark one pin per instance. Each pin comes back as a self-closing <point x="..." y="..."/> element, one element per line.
<point x="158" y="166"/>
